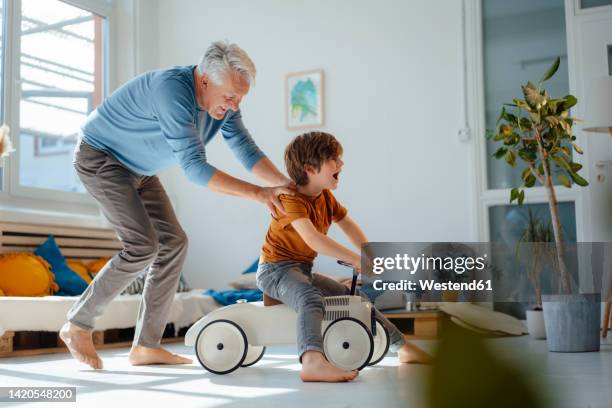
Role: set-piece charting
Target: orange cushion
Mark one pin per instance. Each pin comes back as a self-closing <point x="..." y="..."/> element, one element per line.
<point x="25" y="274"/>
<point x="80" y="269"/>
<point x="95" y="266"/>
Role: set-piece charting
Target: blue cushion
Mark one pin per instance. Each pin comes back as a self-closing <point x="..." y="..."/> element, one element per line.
<point x="68" y="281"/>
<point x="252" y="268"/>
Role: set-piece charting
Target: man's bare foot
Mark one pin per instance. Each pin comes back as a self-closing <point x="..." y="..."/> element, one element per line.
<point x="80" y="345"/>
<point x="411" y="354"/>
<point x="140" y="355"/>
<point x="316" y="368"/>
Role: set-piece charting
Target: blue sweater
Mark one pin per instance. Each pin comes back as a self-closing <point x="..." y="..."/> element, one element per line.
<point x="153" y="121"/>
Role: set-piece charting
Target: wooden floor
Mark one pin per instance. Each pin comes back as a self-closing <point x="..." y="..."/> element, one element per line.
<point x="576" y="380"/>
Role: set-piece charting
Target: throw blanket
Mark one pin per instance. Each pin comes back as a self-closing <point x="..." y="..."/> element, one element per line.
<point x="229" y="297"/>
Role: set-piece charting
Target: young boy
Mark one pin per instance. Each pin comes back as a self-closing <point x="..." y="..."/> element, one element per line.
<point x="314" y="163"/>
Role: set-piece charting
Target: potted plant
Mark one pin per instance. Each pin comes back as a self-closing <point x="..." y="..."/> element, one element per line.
<point x="538" y="132"/>
<point x="537" y="259"/>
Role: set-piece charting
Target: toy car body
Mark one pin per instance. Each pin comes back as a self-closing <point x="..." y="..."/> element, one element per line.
<point x="236" y="336"/>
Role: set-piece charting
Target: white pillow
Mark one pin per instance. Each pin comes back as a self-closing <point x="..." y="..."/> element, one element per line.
<point x="246" y="281"/>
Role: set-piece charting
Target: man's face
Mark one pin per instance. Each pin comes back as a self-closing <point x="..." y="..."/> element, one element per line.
<point x="218" y="99"/>
<point x="328" y="176"/>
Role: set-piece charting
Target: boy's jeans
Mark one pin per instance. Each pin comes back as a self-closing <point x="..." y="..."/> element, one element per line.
<point x="295" y="285"/>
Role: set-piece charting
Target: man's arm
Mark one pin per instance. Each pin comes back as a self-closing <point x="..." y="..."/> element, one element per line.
<point x="322" y="244"/>
<point x="248" y="153"/>
<point x="265" y="170"/>
<point x="222" y="182"/>
<point x="352" y="231"/>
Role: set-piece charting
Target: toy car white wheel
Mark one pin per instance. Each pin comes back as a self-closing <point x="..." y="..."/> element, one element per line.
<point x="348" y="344"/>
<point x="221" y="346"/>
<point x="381" y="343"/>
<point x="254" y="354"/>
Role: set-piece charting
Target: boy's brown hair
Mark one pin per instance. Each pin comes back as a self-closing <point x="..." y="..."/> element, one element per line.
<point x="311" y="148"/>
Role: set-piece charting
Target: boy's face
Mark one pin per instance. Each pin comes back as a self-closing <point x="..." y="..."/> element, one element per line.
<point x="328" y="176"/>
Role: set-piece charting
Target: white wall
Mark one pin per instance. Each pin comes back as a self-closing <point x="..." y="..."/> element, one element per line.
<point x="392" y="94"/>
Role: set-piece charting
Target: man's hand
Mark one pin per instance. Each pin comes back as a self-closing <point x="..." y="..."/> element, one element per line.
<point x="269" y="197"/>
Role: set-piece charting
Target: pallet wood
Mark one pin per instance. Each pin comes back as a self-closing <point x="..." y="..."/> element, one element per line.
<point x="7" y="344"/>
<point x="77" y="243"/>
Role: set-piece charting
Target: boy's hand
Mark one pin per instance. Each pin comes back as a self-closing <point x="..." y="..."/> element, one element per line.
<point x="269" y="197"/>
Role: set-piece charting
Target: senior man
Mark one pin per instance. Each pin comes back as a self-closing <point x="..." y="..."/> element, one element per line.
<point x="153" y="121"/>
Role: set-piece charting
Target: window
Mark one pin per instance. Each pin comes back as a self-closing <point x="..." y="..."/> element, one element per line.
<point x="514" y="42"/>
<point x="62" y="79"/>
<point x="585" y="4"/>
<point x="520" y="41"/>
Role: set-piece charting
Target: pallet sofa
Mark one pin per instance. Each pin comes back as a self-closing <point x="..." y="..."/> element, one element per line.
<point x="29" y="325"/>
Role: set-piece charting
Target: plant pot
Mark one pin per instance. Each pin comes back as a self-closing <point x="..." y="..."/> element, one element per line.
<point x="572" y="322"/>
<point x="535" y="324"/>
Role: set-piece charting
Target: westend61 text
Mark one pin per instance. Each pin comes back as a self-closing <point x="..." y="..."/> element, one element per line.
<point x="433" y="285"/>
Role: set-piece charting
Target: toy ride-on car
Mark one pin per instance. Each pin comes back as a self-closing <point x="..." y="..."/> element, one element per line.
<point x="237" y="335"/>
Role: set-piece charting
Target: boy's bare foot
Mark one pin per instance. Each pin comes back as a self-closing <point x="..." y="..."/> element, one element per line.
<point x="411" y="354"/>
<point x="140" y="355"/>
<point x="316" y="368"/>
<point x="80" y="345"/>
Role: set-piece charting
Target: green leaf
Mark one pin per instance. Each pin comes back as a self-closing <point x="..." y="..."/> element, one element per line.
<point x="490" y="134"/>
<point x="501" y="115"/>
<point x="510" y="158"/>
<point x="512" y="140"/>
<point x="553" y="120"/>
<point x="527" y="154"/>
<point x="525" y="123"/>
<point x="526" y="172"/>
<point x="533" y="96"/>
<point x="575" y="166"/>
<point x="541" y="169"/>
<point x="521" y="104"/>
<point x="578" y="180"/>
<point x="552" y="70"/>
<point x="576" y="148"/>
<point x="521" y="197"/>
<point x="535" y="117"/>
<point x="499" y="153"/>
<point x="530" y="180"/>
<point x="569" y="101"/>
<point x="513" y="194"/>
<point x="562" y="162"/>
<point x="566" y="152"/>
<point x="564" y="180"/>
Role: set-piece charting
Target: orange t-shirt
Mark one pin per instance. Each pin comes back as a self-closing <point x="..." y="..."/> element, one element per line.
<point x="283" y="243"/>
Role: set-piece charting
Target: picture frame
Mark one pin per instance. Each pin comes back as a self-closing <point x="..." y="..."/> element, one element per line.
<point x="304" y="99"/>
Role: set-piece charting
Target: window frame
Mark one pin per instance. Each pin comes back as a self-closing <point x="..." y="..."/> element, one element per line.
<point x="32" y="197"/>
<point x="578" y="10"/>
<point x="486" y="197"/>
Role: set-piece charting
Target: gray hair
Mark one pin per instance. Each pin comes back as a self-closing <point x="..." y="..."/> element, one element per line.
<point x="221" y="58"/>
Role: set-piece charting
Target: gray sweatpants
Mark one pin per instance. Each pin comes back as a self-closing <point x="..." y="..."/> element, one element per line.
<point x="294" y="284"/>
<point x="141" y="214"/>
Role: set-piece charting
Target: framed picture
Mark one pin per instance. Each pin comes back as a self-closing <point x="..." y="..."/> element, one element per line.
<point x="304" y="99"/>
